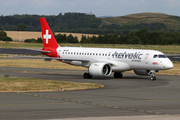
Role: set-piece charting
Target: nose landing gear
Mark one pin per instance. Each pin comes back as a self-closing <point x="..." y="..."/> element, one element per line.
<point x="153" y="75"/>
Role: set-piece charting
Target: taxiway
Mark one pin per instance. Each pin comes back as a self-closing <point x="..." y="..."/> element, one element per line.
<point x="130" y="96"/>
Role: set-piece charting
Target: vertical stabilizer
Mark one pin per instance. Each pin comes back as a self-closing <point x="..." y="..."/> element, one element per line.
<point x="49" y="40"/>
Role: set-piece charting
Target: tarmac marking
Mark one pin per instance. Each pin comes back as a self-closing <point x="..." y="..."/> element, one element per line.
<point x="93" y="103"/>
<point x="35" y="103"/>
<point x="108" y="106"/>
<point x="41" y="96"/>
<point x="138" y="100"/>
<point x="158" y="113"/>
<point x="149" y="111"/>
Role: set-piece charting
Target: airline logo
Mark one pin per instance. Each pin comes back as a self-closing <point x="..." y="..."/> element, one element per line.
<point x="47" y="36"/>
<point x="125" y="55"/>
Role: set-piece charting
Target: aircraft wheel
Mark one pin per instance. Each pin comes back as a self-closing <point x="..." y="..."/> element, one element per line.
<point x="87" y="75"/>
<point x="153" y="78"/>
<point x="118" y="75"/>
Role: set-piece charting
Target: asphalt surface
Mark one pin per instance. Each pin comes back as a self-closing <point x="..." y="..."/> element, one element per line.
<point x="130" y="96"/>
<point x="18" y="51"/>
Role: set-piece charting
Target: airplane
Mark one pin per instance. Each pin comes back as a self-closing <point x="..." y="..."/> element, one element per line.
<point x="103" y="61"/>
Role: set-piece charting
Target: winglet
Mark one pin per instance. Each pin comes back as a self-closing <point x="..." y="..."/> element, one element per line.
<point x="49" y="40"/>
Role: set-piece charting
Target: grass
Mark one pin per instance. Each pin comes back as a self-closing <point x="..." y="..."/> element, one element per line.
<point x="10" y="84"/>
<point x="37" y="63"/>
<point x="168" y="49"/>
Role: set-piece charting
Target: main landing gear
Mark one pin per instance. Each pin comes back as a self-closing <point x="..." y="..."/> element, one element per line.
<point x="118" y="75"/>
<point x="87" y="76"/>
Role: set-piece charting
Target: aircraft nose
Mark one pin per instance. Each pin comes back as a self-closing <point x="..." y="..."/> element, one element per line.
<point x="169" y="65"/>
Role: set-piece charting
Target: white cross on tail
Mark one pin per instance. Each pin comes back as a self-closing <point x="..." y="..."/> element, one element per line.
<point x="47" y="36"/>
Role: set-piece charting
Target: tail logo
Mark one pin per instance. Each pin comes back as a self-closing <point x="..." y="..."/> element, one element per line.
<point x="47" y="36"/>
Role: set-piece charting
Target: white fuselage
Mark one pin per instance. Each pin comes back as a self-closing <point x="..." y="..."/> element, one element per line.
<point x="120" y="59"/>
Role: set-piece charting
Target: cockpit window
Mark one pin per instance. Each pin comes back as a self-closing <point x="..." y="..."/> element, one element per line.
<point x="155" y="56"/>
<point x="162" y="56"/>
<point x="159" y="56"/>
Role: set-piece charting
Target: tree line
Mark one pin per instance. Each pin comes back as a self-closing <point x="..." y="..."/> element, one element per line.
<point x="66" y="22"/>
<point x="143" y="37"/>
<point x="60" y="38"/>
<point x="4" y="37"/>
<point x="73" y="22"/>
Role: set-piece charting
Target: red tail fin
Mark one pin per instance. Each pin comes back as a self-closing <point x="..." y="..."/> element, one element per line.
<point x="49" y="40"/>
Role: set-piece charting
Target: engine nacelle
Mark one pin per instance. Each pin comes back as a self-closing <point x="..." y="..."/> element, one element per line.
<point x="144" y="72"/>
<point x="100" y="69"/>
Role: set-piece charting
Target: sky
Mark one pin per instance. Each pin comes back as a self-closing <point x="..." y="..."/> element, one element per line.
<point x="97" y="7"/>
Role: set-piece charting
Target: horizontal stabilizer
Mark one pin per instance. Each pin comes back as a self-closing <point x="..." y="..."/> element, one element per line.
<point x="38" y="50"/>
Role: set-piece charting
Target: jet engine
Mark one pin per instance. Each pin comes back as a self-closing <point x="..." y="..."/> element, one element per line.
<point x="100" y="69"/>
<point x="144" y="72"/>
